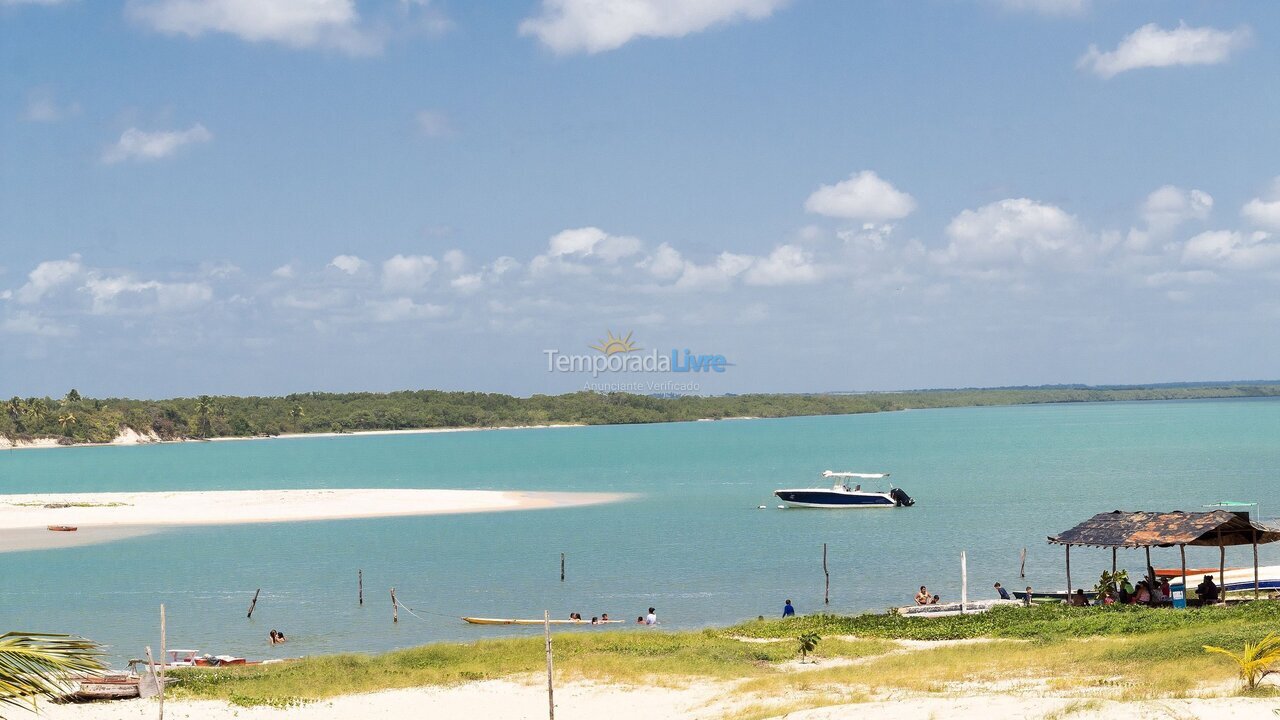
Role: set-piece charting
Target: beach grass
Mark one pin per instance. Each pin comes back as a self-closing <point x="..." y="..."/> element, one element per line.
<point x="1115" y="653"/>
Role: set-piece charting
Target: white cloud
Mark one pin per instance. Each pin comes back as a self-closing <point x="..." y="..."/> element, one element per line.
<point x="567" y="248"/>
<point x="1017" y="231"/>
<point x="593" y="26"/>
<point x="786" y="265"/>
<point x="134" y="144"/>
<point x="455" y="260"/>
<point x="1231" y="250"/>
<point x="1151" y="46"/>
<point x="43" y="107"/>
<point x="665" y="263"/>
<point x="27" y="323"/>
<point x="864" y="196"/>
<point x="1264" y="211"/>
<point x="716" y="275"/>
<point x="408" y="273"/>
<point x="400" y="309"/>
<point x="434" y="124"/>
<point x="48" y="276"/>
<point x="284" y="272"/>
<point x="1048" y="7"/>
<point x="349" y="264"/>
<point x="1168" y="207"/>
<point x="123" y="293"/>
<point x="294" y="23"/>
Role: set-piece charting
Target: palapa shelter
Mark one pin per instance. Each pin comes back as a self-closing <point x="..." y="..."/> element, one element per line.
<point x="1218" y="528"/>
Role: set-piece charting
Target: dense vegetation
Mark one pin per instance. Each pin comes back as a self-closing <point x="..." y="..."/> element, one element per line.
<point x="75" y="419"/>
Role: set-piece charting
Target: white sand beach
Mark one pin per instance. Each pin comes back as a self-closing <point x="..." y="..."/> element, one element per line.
<point x="526" y="699"/>
<point x="100" y="517"/>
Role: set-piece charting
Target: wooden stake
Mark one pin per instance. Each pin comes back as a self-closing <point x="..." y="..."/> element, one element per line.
<point x="1022" y="567"/>
<point x="163" y="659"/>
<point x="546" y="631"/>
<point x="151" y="663"/>
<point x="561" y="567"/>
<point x="826" y="596"/>
<point x="395" y="607"/>
<point x="360" y="584"/>
<point x="253" y="604"/>
<point x="1113" y="561"/>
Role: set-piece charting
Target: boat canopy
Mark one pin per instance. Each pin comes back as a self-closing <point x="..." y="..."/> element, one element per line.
<point x="864" y="476"/>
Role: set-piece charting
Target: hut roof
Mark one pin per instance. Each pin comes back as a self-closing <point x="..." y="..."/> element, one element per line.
<point x="1163" y="529"/>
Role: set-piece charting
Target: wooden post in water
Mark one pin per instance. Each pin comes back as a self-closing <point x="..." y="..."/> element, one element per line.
<point x="826" y="595"/>
<point x="164" y="658"/>
<point x="1068" y="573"/>
<point x="546" y="631"/>
<point x="253" y="604"/>
<point x="561" y="567"/>
<point x="360" y="585"/>
<point x="1222" y="570"/>
<point x="1022" y="566"/>
<point x="395" y="607"/>
<point x="1186" y="591"/>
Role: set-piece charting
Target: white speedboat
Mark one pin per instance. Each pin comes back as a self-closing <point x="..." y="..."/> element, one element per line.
<point x="840" y="495"/>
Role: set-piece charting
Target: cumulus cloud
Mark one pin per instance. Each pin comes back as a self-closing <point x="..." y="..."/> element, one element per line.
<point x="408" y="273"/>
<point x="1168" y="207"/>
<point x="401" y="309"/>
<point x="284" y="272"/>
<point x="48" y="276"/>
<point x="349" y="264"/>
<point x="134" y="144"/>
<point x="864" y="196"/>
<point x="569" y="250"/>
<point x="1017" y="231"/>
<point x="294" y="23"/>
<point x="1231" y="250"/>
<point x="786" y="265"/>
<point x="592" y="26"/>
<point x="122" y="293"/>
<point x="1264" y="211"/>
<point x="1151" y="46"/>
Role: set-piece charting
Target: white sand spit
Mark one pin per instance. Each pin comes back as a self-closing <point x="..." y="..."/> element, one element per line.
<point x="106" y="516"/>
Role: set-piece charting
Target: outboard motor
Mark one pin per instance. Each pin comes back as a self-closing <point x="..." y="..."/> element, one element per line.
<point x="900" y="498"/>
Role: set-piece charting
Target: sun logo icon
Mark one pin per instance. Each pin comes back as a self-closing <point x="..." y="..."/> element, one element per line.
<point x="614" y="345"/>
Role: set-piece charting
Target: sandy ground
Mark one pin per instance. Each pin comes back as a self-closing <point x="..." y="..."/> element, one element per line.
<point x="129" y="436"/>
<point x="521" y="700"/>
<point x="24" y="518"/>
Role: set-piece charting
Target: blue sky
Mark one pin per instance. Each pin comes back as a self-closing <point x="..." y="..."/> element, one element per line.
<point x="228" y="196"/>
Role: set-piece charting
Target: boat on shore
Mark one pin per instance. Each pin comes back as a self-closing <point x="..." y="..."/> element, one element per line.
<point x="108" y="686"/>
<point x="513" y="621"/>
<point x="63" y="528"/>
<point x="840" y="495"/>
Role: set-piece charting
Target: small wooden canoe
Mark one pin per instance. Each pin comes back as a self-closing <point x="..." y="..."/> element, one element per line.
<point x="63" y="528"/>
<point x="510" y="621"/>
<point x="106" y="687"/>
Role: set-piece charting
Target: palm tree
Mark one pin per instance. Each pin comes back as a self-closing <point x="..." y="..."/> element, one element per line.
<point x="35" y="665"/>
<point x="66" y="421"/>
<point x="808" y="642"/>
<point x="1255" y="660"/>
<point x="204" y="405"/>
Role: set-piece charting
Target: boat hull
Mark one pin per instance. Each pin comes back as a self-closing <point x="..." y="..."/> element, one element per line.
<point x="830" y="499"/>
<point x="513" y="621"/>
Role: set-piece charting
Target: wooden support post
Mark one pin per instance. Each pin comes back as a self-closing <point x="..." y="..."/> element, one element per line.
<point x="395" y="607"/>
<point x="253" y="604"/>
<point x="1222" y="570"/>
<point x="1113" y="561"/>
<point x="561" y="567"/>
<point x="164" y="658"/>
<point x="826" y="594"/>
<point x="360" y="585"/>
<point x="1186" y="591"/>
<point x="1148" y="569"/>
<point x="1255" y="564"/>
<point x="546" y="632"/>
<point x="1068" y="574"/>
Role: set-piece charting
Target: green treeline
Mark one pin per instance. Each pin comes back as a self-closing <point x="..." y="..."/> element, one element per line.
<point x="75" y="419"/>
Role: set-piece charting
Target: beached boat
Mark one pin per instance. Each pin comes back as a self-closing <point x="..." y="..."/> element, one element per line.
<point x="63" y="528"/>
<point x="511" y="621"/>
<point x="1238" y="579"/>
<point x="955" y="608"/>
<point x="119" y="686"/>
<point x="840" y="495"/>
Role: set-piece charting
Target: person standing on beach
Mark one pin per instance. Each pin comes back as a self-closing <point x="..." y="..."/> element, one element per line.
<point x="788" y="610"/>
<point x="1027" y="600"/>
<point x="651" y="618"/>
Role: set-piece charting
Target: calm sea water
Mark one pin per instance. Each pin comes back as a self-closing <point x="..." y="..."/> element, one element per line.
<point x="990" y="481"/>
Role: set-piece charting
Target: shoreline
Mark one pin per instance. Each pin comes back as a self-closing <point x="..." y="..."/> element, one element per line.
<point x="103" y="517"/>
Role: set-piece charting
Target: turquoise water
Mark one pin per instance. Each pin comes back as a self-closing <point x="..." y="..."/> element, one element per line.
<point x="987" y="480"/>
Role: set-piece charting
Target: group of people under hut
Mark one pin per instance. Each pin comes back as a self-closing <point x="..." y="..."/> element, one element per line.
<point x="1151" y="590"/>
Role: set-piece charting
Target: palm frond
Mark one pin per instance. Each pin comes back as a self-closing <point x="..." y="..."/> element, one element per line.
<point x="34" y="665"/>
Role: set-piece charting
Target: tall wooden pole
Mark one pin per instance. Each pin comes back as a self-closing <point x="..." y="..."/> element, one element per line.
<point x="164" y="658"/>
<point x="1186" y="591"/>
<point x="1068" y="574"/>
<point x="561" y="567"/>
<point x="551" y="698"/>
<point x="253" y="604"/>
<point x="360" y="585"/>
<point x="826" y="596"/>
<point x="1022" y="567"/>
<point x="395" y="607"/>
<point x="964" y="580"/>
<point x="1255" y="564"/>
<point x="1113" y="561"/>
<point x="1222" y="570"/>
<point x="1148" y="570"/>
